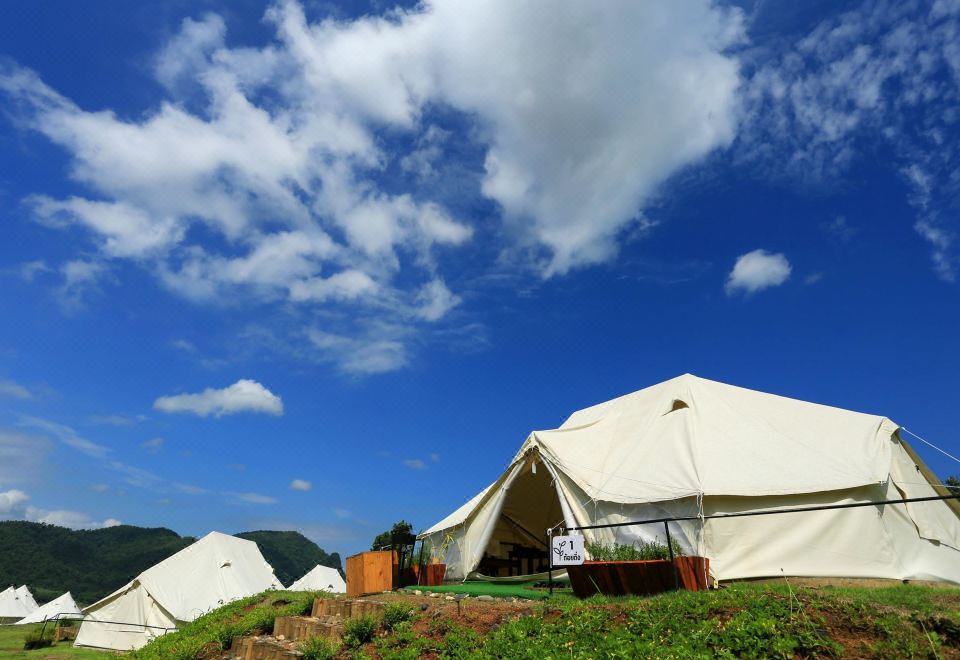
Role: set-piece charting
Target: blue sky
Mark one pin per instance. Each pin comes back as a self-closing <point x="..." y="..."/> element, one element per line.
<point x="323" y="266"/>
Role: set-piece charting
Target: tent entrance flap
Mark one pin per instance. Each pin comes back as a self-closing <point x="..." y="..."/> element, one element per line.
<point x="518" y="544"/>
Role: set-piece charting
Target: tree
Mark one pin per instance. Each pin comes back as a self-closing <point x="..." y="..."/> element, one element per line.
<point x="953" y="485"/>
<point x="400" y="534"/>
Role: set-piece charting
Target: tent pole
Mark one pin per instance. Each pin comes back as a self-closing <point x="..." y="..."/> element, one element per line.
<point x="673" y="561"/>
<point x="550" y="559"/>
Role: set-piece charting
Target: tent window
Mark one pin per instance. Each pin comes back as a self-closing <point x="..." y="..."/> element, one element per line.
<point x="677" y="404"/>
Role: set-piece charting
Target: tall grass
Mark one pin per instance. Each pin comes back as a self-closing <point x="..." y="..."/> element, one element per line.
<point x="639" y="550"/>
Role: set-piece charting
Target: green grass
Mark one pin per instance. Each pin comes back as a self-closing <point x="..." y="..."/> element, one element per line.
<point x="479" y="588"/>
<point x="215" y="631"/>
<point x="11" y="645"/>
<point x="745" y="620"/>
<point x="742" y="621"/>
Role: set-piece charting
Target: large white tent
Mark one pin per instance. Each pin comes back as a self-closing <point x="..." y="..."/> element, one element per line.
<point x="694" y="447"/>
<point x="214" y="571"/>
<point x="321" y="578"/>
<point x="63" y="607"/>
<point x="16" y="604"/>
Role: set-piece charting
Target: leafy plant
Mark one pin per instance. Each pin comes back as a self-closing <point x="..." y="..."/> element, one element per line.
<point x="953" y="485"/>
<point x="396" y="613"/>
<point x="639" y="550"/>
<point x="359" y="630"/>
<point x="400" y="534"/>
<point x="318" y="648"/>
<point x="34" y="640"/>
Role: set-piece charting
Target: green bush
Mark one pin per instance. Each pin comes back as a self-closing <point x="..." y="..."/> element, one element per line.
<point x="640" y="550"/>
<point x="33" y="640"/>
<point x="318" y="648"/>
<point x="359" y="630"/>
<point x="395" y="613"/>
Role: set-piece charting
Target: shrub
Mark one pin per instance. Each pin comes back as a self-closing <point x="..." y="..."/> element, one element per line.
<point x="359" y="630"/>
<point x="318" y="648"/>
<point x="33" y="640"/>
<point x="639" y="550"/>
<point x="395" y="613"/>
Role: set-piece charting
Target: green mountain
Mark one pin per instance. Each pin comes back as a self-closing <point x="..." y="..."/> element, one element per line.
<point x="94" y="563"/>
<point x="291" y="554"/>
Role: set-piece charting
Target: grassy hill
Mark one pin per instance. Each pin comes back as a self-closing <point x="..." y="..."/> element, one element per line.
<point x="93" y="563"/>
<point x="741" y="621"/>
<point x="291" y="554"/>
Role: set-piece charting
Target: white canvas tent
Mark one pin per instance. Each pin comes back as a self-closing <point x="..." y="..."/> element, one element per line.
<point x="321" y="578"/>
<point x="63" y="607"/>
<point x="692" y="447"/>
<point x="16" y="604"/>
<point x="214" y="571"/>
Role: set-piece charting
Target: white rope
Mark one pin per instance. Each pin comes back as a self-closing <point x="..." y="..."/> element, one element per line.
<point x="930" y="444"/>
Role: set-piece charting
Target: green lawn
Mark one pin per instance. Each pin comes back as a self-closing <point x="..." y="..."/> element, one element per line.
<point x="478" y="588"/>
<point x="11" y="646"/>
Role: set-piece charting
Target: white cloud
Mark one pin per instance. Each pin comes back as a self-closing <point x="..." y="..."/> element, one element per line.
<point x="153" y="445"/>
<point x="582" y="112"/>
<point x="243" y="396"/>
<point x="300" y="484"/>
<point x="11" y="500"/>
<point x="66" y="435"/>
<point x="71" y="519"/>
<point x="415" y="464"/>
<point x="100" y="488"/>
<point x="188" y="489"/>
<point x="758" y="270"/>
<point x="886" y="75"/>
<point x="22" y="456"/>
<point x="16" y="390"/>
<point x="251" y="498"/>
<point x="368" y="355"/>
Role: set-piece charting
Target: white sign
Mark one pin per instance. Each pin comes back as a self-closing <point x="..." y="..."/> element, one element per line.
<point x="568" y="550"/>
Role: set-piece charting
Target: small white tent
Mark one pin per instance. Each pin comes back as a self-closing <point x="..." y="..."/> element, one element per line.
<point x="214" y="571"/>
<point x="16" y="604"/>
<point x="63" y="607"/>
<point x="321" y="578"/>
<point x="694" y="447"/>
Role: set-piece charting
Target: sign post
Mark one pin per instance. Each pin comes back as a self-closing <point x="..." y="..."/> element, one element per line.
<point x="566" y="550"/>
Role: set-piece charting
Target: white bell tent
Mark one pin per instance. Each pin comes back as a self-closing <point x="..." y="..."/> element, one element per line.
<point x="16" y="603"/>
<point x="63" y="607"/>
<point x="691" y="447"/>
<point x="214" y="571"/>
<point x="321" y="578"/>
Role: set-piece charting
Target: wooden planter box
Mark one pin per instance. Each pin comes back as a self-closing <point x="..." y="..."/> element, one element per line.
<point x="371" y="572"/>
<point x="622" y="578"/>
<point x="429" y="575"/>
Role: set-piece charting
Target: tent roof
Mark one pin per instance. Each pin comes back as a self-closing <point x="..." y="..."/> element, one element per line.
<point x="215" y="570"/>
<point x="321" y="578"/>
<point x="16" y="603"/>
<point x="62" y="605"/>
<point x="690" y="436"/>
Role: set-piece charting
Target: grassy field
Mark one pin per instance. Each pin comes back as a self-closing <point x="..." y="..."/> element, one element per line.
<point x="11" y="646"/>
<point x="739" y="621"/>
<point x="779" y="620"/>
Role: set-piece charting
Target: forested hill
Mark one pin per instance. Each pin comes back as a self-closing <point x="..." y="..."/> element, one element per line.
<point x="291" y="554"/>
<point x="94" y="563"/>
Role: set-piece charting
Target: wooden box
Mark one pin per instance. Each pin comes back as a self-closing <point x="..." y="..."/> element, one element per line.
<point x="623" y="578"/>
<point x="371" y="572"/>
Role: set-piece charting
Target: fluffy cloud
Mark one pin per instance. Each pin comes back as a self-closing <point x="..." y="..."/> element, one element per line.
<point x="13" y="506"/>
<point x="758" y="270"/>
<point x="581" y="112"/>
<point x="243" y="396"/>
<point x="415" y="464"/>
<point x="11" y="500"/>
<point x="300" y="484"/>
